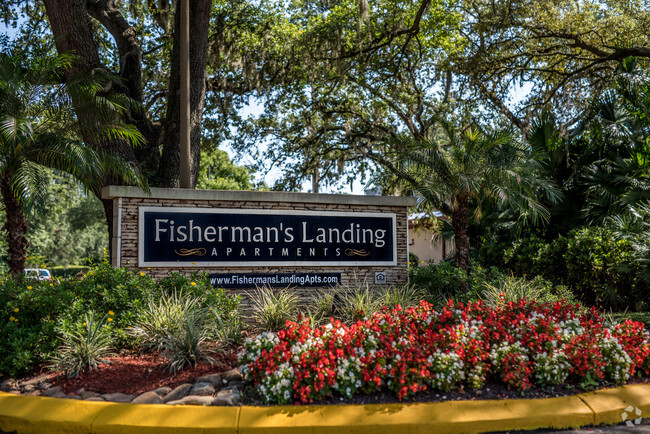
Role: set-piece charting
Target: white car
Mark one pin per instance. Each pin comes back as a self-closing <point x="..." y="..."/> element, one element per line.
<point x="38" y="273"/>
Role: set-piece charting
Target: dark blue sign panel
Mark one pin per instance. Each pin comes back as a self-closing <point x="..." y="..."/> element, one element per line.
<point x="234" y="237"/>
<point x="275" y="280"/>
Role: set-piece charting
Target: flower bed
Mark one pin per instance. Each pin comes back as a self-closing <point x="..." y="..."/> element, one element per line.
<point x="407" y="351"/>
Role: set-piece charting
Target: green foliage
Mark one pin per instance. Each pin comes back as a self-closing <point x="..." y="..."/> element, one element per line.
<point x="596" y="264"/>
<point x="218" y="172"/>
<point x="229" y="326"/>
<point x="402" y="295"/>
<point x="40" y="128"/>
<point x="323" y="307"/>
<point x="68" y="227"/>
<point x="439" y="282"/>
<point x="34" y="313"/>
<point x="175" y="325"/>
<point x="513" y="289"/>
<point x="414" y="261"/>
<point x="335" y="109"/>
<point x="352" y="304"/>
<point x="31" y="337"/>
<point x="468" y="164"/>
<point x="272" y="308"/>
<point x="105" y="288"/>
<point x="163" y="316"/>
<point x="358" y="303"/>
<point x="84" y="348"/>
<point x="69" y="271"/>
<point x="442" y="282"/>
<point x="187" y="346"/>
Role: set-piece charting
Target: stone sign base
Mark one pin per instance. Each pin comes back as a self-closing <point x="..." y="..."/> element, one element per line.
<point x="243" y="275"/>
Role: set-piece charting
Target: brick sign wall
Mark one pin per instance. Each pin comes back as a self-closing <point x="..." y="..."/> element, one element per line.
<point x="244" y="238"/>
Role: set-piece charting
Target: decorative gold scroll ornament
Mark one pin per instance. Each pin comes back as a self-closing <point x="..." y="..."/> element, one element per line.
<point x="355" y="252"/>
<point x="187" y="252"/>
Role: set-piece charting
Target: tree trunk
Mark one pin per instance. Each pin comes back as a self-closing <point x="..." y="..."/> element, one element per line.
<point x="459" y="223"/>
<point x="70" y="21"/>
<point x="169" y="172"/>
<point x="15" y="227"/>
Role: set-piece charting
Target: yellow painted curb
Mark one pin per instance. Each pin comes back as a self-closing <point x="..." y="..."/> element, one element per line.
<point x="443" y="417"/>
<point x="28" y="414"/>
<point x="160" y="418"/>
<point x="35" y="414"/>
<point x="608" y="405"/>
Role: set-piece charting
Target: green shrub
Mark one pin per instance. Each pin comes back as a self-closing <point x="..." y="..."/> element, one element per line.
<point x="31" y="335"/>
<point x="105" y="288"/>
<point x="520" y="258"/>
<point x="439" y="282"/>
<point x="69" y="270"/>
<point x="598" y="267"/>
<point x="160" y="316"/>
<point x="29" y="310"/>
<point x="85" y="347"/>
<point x="414" y="261"/>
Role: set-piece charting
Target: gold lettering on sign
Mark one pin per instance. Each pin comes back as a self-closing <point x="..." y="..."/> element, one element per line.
<point x="355" y="252"/>
<point x="188" y="252"/>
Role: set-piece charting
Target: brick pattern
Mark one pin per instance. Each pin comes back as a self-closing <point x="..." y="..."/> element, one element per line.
<point x="351" y="276"/>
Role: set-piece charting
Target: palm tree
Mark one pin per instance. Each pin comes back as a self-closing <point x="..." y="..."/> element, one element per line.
<point x="38" y="128"/>
<point x="462" y="167"/>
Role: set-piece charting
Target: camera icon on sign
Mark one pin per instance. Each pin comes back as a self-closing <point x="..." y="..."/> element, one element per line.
<point x="380" y="277"/>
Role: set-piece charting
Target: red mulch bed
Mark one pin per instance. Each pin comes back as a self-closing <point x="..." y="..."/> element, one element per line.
<point x="134" y="374"/>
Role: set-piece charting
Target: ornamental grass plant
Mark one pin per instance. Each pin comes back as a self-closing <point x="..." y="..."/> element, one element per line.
<point x="175" y="325"/>
<point x="273" y="308"/>
<point x="84" y="348"/>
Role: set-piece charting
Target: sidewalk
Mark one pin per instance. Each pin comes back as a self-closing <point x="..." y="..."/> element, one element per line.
<point x="29" y="414"/>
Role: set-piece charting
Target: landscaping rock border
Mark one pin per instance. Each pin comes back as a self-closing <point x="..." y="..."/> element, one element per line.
<point x="219" y="389"/>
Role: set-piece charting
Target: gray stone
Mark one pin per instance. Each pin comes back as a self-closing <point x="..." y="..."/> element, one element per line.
<point x="95" y="398"/>
<point x="44" y="386"/>
<point x="214" y="379"/>
<point x="231" y="384"/>
<point x="8" y="385"/>
<point x="33" y="393"/>
<point x="72" y="397"/>
<point x="163" y="391"/>
<point x="192" y="400"/>
<point x="117" y="397"/>
<point x="27" y="388"/>
<point x="147" y="398"/>
<point x="35" y="381"/>
<point x="227" y="397"/>
<point x="232" y="375"/>
<point x="52" y="391"/>
<point x="178" y="393"/>
<point x="202" y="389"/>
<point x="88" y="394"/>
